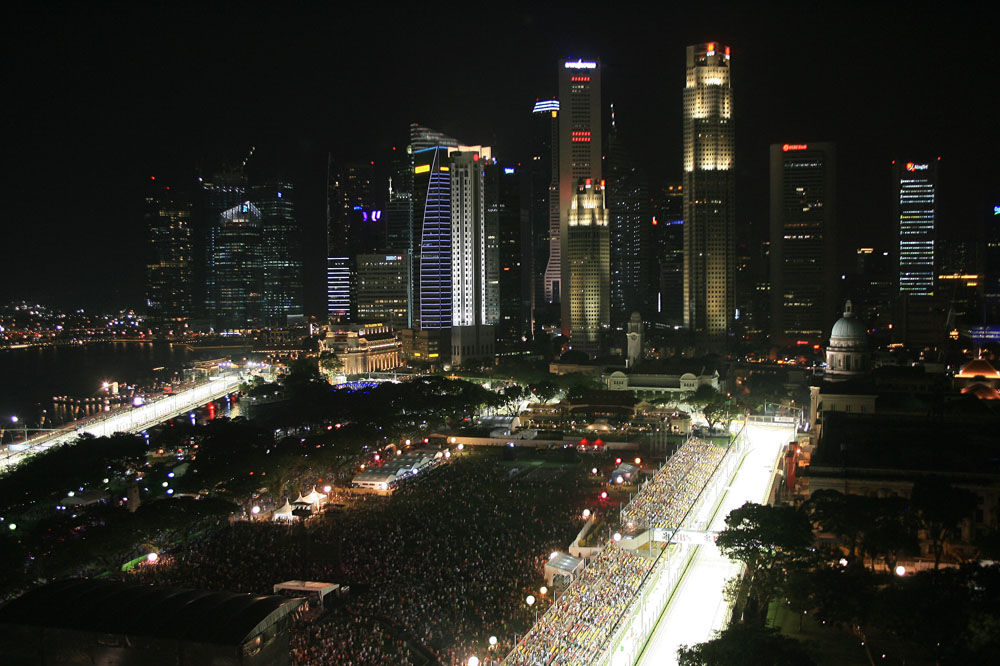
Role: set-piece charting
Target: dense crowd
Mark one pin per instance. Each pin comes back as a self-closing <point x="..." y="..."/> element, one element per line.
<point x="667" y="497"/>
<point x="579" y="623"/>
<point x="443" y="563"/>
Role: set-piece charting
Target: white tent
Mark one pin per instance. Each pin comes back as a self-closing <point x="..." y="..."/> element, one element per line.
<point x="284" y="513"/>
<point x="314" y="498"/>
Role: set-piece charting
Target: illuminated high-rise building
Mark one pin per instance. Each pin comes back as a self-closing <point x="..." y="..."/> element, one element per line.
<point x="432" y="176"/>
<point x="803" y="243"/>
<point x="383" y="294"/>
<point x="709" y="219"/>
<point x="282" y="252"/>
<point x="915" y="209"/>
<point x="431" y="202"/>
<point x="170" y="257"/>
<point x="224" y="190"/>
<point x="579" y="158"/>
<point x="474" y="283"/>
<point x="588" y="257"/>
<point x="237" y="267"/>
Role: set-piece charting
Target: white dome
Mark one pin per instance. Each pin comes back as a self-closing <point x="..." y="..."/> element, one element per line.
<point x="849" y="330"/>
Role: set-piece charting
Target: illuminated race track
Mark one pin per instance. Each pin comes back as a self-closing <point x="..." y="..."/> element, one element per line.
<point x="130" y="420"/>
<point x="697" y="608"/>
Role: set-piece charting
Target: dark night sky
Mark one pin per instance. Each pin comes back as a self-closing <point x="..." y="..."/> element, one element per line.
<point x="97" y="99"/>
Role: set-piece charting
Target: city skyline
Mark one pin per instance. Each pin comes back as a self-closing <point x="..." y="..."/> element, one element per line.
<point x="118" y="138"/>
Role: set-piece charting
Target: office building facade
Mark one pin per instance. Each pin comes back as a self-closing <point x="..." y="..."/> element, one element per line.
<point x="709" y="216"/>
<point x="803" y="243"/>
<point x="580" y="157"/>
<point x="915" y="212"/>
<point x="237" y="267"/>
<point x="383" y="294"/>
<point x="588" y="260"/>
<point x="170" y="257"/>
<point x="282" y="252"/>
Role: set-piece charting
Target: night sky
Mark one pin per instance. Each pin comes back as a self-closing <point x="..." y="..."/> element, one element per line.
<point x="97" y="99"/>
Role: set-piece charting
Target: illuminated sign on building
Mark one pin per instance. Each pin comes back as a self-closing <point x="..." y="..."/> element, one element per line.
<point x="996" y="210"/>
<point x="546" y="105"/>
<point x="795" y="146"/>
<point x="910" y="166"/>
<point x="508" y="170"/>
<point x="580" y="64"/>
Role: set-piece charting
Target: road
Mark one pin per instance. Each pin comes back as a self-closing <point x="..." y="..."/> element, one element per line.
<point x="131" y="420"/>
<point x="698" y="608"/>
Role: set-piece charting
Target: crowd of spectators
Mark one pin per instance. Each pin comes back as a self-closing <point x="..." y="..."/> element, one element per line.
<point x="579" y="624"/>
<point x="442" y="564"/>
<point x="580" y="621"/>
<point x="666" y="498"/>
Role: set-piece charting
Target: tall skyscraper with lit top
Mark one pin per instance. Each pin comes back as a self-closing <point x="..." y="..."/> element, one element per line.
<point x="588" y="259"/>
<point x="579" y="158"/>
<point x="709" y="219"/>
<point x="915" y="204"/>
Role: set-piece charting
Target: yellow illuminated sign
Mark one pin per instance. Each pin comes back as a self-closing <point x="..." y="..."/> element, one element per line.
<point x="423" y="168"/>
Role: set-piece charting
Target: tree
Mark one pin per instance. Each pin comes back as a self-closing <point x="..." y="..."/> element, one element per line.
<point x="544" y="390"/>
<point x="941" y="508"/>
<point x="512" y="397"/>
<point x="330" y="363"/>
<point x="847" y="517"/>
<point x="770" y="541"/>
<point x="703" y="395"/>
<point x="746" y="645"/>
<point x="717" y="410"/>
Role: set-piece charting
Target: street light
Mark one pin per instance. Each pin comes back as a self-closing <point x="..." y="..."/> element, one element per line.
<point x="473" y="661"/>
<point x="530" y="600"/>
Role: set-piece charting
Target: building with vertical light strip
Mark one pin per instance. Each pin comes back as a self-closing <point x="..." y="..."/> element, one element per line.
<point x="803" y="245"/>
<point x="709" y="217"/>
<point x="915" y="213"/>
<point x="431" y="167"/>
<point x="579" y="157"/>
<point x="588" y="259"/>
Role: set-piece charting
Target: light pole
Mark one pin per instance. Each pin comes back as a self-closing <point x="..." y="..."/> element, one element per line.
<point x="530" y="600"/>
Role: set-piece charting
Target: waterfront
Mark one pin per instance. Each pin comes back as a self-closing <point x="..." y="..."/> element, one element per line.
<point x="29" y="378"/>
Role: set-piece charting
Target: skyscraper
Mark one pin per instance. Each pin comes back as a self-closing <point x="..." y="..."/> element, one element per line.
<point x="505" y="200"/>
<point x="543" y="184"/>
<point x="282" y="251"/>
<point x="803" y="242"/>
<point x="432" y="176"/>
<point x="383" y="292"/>
<point x="915" y="215"/>
<point x="225" y="189"/>
<point x="170" y="257"/>
<point x="237" y="267"/>
<point x="579" y="158"/>
<point x="629" y="217"/>
<point x="474" y="261"/>
<point x="667" y="231"/>
<point x="588" y="263"/>
<point x="709" y="219"/>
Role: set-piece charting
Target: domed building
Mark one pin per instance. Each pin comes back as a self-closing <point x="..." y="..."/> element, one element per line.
<point x="978" y="377"/>
<point x="847" y="355"/>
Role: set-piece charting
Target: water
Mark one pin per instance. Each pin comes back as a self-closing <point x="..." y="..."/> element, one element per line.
<point x="29" y="378"/>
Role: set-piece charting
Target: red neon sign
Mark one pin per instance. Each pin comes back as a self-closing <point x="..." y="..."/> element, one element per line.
<point x="795" y="146"/>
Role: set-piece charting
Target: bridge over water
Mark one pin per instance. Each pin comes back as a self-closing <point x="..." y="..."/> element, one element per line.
<point x="129" y="420"/>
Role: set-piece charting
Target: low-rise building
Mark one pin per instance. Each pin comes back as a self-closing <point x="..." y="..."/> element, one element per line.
<point x="364" y="348"/>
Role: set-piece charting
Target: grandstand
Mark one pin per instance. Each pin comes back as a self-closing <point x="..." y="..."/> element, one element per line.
<point x="598" y="610"/>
